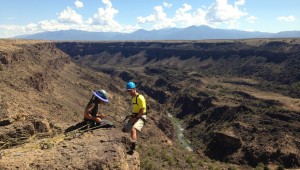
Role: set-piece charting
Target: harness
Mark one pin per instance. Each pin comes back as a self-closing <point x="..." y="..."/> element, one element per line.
<point x="135" y="114"/>
<point x="136" y="99"/>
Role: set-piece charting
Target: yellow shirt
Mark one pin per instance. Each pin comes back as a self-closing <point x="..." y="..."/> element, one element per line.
<point x="138" y="103"/>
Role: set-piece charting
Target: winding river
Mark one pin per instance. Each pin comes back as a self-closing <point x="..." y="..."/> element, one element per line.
<point x="179" y="131"/>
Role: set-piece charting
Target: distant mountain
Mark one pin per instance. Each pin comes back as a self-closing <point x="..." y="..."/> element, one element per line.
<point x="71" y="35"/>
<point x="287" y="34"/>
<point x="189" y="33"/>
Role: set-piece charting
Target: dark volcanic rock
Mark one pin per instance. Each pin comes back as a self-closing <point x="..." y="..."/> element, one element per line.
<point x="222" y="145"/>
<point x="192" y="105"/>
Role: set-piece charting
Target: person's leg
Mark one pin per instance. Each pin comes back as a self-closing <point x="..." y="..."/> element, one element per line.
<point x="133" y="134"/>
<point x="136" y="127"/>
<point x="133" y="138"/>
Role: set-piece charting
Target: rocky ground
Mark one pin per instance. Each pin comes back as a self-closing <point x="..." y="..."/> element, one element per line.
<point x="42" y="94"/>
<point x="233" y="121"/>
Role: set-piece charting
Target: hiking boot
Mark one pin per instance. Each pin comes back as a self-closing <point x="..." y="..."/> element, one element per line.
<point x="133" y="145"/>
<point x="132" y="148"/>
<point x="130" y="152"/>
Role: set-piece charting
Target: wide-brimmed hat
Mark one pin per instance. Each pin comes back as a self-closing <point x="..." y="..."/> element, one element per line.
<point x="101" y="94"/>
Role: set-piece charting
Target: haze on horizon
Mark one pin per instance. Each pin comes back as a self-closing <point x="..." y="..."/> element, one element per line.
<point x="32" y="16"/>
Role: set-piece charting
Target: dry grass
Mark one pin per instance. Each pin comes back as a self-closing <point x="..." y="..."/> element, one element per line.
<point x="9" y="45"/>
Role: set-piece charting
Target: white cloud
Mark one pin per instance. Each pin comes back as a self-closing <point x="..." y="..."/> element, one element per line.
<point x="32" y="28"/>
<point x="104" y="20"/>
<point x="221" y="11"/>
<point x="147" y="19"/>
<point x="158" y="19"/>
<point x="105" y="16"/>
<point x="107" y="3"/>
<point x="78" y="4"/>
<point x="290" y="18"/>
<point x="240" y="2"/>
<point x="167" y="5"/>
<point x="252" y="19"/>
<point x="69" y="15"/>
<point x="186" y="17"/>
<point x="199" y="17"/>
<point x="8" y="31"/>
<point x="159" y="13"/>
<point x="183" y="17"/>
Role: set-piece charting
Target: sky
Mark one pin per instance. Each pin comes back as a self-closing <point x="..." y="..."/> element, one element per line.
<point x="19" y="17"/>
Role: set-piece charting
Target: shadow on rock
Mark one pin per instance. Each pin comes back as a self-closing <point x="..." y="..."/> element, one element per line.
<point x="89" y="125"/>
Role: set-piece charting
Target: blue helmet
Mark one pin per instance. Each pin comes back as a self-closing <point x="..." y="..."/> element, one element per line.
<point x="130" y="85"/>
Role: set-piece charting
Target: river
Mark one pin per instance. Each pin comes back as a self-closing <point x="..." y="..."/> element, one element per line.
<point x="179" y="131"/>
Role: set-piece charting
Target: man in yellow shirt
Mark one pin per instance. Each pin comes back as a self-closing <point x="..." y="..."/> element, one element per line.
<point x="138" y="116"/>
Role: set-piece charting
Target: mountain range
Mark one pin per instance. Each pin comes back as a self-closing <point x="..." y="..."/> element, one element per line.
<point x="189" y="33"/>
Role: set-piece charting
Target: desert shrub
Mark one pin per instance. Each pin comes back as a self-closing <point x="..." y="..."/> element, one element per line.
<point x="211" y="167"/>
<point x="201" y="163"/>
<point x="261" y="166"/>
<point x="213" y="86"/>
<point x="1" y="69"/>
<point x="166" y="157"/>
<point x="152" y="152"/>
<point x="148" y="165"/>
<point x="189" y="160"/>
<point x="280" y="167"/>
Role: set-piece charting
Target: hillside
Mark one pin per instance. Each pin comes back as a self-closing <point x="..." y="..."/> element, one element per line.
<point x="274" y="62"/>
<point x="43" y="94"/>
<point x="230" y="96"/>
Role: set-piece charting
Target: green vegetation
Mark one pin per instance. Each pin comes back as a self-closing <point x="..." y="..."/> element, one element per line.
<point x="189" y="160"/>
<point x="166" y="157"/>
<point x="232" y="168"/>
<point x="155" y="157"/>
<point x="149" y="165"/>
<point x="292" y="90"/>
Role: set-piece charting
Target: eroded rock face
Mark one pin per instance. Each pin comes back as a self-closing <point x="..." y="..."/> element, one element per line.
<point x="223" y="144"/>
<point x="5" y="58"/>
<point x="39" y="81"/>
<point x="192" y="105"/>
<point x="166" y="126"/>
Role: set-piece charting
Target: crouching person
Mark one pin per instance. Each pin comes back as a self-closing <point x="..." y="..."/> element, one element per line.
<point x="137" y="119"/>
<point x="91" y="114"/>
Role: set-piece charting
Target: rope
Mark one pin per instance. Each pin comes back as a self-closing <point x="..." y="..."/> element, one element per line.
<point x="21" y="137"/>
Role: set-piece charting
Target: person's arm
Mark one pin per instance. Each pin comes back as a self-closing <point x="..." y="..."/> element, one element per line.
<point x="140" y="114"/>
<point x="136" y="118"/>
<point x="88" y="115"/>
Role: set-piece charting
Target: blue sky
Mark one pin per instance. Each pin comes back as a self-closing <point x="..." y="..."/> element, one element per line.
<point x="19" y="17"/>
